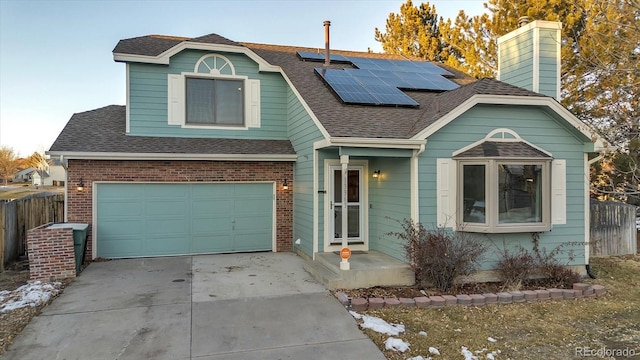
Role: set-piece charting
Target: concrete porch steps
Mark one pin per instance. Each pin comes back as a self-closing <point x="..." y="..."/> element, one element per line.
<point x="368" y="269"/>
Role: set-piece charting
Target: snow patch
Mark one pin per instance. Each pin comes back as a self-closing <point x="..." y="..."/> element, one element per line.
<point x="396" y="344"/>
<point x="422" y="333"/>
<point x="378" y="325"/>
<point x="32" y="294"/>
<point x="468" y="355"/>
<point x="433" y="350"/>
<point x="419" y="358"/>
<point x="355" y="315"/>
<point x="457" y="330"/>
<point x="491" y="339"/>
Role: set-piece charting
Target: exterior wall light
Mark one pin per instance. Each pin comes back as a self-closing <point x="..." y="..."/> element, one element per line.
<point x="80" y="186"/>
<point x="376" y="173"/>
<point x="285" y="184"/>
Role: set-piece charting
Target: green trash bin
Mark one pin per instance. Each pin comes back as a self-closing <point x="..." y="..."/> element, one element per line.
<point x="80" y="232"/>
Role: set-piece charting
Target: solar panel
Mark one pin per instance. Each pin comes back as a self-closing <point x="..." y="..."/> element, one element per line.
<point x="367" y="90"/>
<point x="376" y="81"/>
<point x="319" y="56"/>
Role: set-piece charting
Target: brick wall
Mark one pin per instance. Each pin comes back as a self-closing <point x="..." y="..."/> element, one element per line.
<point x="79" y="202"/>
<point x="51" y="255"/>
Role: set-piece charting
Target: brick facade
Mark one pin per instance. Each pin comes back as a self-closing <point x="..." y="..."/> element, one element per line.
<point x="79" y="203"/>
<point x="51" y="253"/>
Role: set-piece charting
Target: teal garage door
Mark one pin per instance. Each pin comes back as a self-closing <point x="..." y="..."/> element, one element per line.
<point x="148" y="219"/>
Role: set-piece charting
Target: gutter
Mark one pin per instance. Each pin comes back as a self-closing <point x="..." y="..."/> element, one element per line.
<point x="171" y="156"/>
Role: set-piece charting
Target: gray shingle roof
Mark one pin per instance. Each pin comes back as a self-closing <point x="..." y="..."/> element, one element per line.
<point x="503" y="149"/>
<point x="343" y="120"/>
<point x="154" y="45"/>
<point x="103" y="130"/>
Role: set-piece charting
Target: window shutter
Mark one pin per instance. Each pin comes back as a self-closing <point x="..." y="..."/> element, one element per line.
<point x="446" y="193"/>
<point x="252" y="103"/>
<point x="175" y="101"/>
<point x="559" y="192"/>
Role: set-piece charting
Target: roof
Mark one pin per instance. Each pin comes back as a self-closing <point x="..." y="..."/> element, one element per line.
<point x="154" y="45"/>
<point x="512" y="149"/>
<point x="103" y="130"/>
<point x="342" y="120"/>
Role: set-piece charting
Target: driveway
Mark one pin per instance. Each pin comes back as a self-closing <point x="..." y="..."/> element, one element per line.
<point x="231" y="306"/>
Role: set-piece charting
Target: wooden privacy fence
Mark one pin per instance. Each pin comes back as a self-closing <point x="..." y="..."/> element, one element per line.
<point x="613" y="228"/>
<point x="18" y="216"/>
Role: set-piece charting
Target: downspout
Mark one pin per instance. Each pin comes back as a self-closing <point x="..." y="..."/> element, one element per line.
<point x="415" y="205"/>
<point x="587" y="266"/>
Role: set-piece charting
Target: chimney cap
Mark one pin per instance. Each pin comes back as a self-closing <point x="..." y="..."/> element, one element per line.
<point x="327" y="22"/>
<point x="523" y="20"/>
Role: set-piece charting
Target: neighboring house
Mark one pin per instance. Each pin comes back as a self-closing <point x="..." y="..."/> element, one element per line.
<point x="24" y="175"/>
<point x="227" y="147"/>
<point x="53" y="174"/>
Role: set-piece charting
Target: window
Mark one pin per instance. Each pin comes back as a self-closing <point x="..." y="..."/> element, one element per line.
<point x="504" y="195"/>
<point x="214" y="101"/>
<point x="213" y="96"/>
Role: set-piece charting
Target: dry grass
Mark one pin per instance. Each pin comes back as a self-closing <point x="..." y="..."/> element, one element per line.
<point x="20" y="191"/>
<point x="548" y="330"/>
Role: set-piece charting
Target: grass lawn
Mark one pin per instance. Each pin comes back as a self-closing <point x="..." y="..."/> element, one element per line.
<point x="547" y="330"/>
<point x="19" y="191"/>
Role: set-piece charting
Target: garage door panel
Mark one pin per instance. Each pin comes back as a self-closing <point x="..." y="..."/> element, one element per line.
<point x="152" y="219"/>
<point x="211" y="206"/>
<point x="166" y="245"/>
<point x="212" y="243"/>
<point x="123" y="208"/>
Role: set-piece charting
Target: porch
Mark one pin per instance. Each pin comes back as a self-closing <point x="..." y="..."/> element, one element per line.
<point x="368" y="269"/>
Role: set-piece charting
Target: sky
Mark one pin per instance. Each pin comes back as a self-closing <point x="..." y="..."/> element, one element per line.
<point x="56" y="60"/>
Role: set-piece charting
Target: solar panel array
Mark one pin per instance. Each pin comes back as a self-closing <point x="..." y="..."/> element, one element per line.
<point x="379" y="81"/>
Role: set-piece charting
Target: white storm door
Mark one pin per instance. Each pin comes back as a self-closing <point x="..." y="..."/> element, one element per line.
<point x="354" y="204"/>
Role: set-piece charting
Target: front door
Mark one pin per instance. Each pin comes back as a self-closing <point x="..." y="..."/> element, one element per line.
<point x="353" y="204"/>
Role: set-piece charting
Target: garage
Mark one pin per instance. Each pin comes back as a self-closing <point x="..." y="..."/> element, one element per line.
<point x="161" y="219"/>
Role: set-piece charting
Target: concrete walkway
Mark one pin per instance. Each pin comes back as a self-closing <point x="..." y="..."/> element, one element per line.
<point x="231" y="306"/>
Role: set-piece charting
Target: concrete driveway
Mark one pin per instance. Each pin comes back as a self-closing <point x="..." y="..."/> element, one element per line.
<point x="231" y="306"/>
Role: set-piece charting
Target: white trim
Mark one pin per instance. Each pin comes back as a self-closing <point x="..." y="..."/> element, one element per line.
<point x="215" y="65"/>
<point x="128" y="101"/>
<point x="171" y="156"/>
<point x="503" y="131"/>
<point x="315" y="203"/>
<point x="512" y="100"/>
<point x="411" y="144"/>
<point x="540" y="24"/>
<point x="363" y="166"/>
<point x="535" y="76"/>
<point x="558" y="64"/>
<point x="165" y="57"/>
<point x="94" y="203"/>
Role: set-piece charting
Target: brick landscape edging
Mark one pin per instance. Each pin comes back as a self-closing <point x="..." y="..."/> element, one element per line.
<point x="580" y="290"/>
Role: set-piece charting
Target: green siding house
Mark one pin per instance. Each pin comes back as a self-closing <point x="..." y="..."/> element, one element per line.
<point x="230" y="147"/>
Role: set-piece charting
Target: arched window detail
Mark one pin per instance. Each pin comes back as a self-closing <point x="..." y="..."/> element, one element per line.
<point x="214" y="64"/>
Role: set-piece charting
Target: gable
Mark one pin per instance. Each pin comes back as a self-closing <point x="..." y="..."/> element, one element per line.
<point x="149" y="98"/>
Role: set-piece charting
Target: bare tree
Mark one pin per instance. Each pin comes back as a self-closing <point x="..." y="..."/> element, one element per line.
<point x="9" y="163"/>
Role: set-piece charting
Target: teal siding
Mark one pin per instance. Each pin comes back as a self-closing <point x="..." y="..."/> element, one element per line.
<point x="390" y="202"/>
<point x="516" y="61"/>
<point x="548" y="50"/>
<point x="155" y="219"/>
<point x="302" y="132"/>
<point x="148" y="99"/>
<point x="517" y="57"/>
<point x="533" y="125"/>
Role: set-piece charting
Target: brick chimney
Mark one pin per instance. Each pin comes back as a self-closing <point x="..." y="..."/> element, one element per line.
<point x="529" y="57"/>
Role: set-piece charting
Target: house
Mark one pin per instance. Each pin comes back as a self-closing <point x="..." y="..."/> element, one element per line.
<point x="229" y="147"/>
<point x="24" y="175"/>
<point x="53" y="174"/>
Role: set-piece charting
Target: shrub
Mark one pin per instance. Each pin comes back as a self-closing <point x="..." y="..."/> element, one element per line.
<point x="438" y="257"/>
<point x="515" y="267"/>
